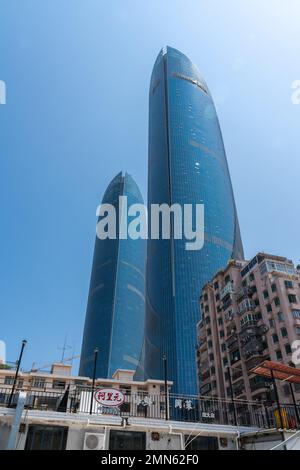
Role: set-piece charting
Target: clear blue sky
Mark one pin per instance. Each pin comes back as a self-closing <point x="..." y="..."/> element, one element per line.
<point x="77" y="75"/>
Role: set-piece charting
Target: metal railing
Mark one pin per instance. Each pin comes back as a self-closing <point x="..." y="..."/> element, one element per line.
<point x="203" y="409"/>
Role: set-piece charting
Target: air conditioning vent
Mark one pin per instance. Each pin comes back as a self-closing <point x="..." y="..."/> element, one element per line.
<point x="93" y="441"/>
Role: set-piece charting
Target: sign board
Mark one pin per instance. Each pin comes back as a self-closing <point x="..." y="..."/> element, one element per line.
<point x="109" y="397"/>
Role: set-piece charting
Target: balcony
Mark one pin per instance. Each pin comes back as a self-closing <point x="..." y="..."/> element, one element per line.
<point x="232" y="342"/>
<point x="239" y="388"/>
<point x="236" y="374"/>
<point x="254" y="361"/>
<point x="229" y="317"/>
<point x="245" y="292"/>
<point x="246" y="306"/>
<point x="227" y="304"/>
<point x="227" y="290"/>
<point x="204" y="376"/>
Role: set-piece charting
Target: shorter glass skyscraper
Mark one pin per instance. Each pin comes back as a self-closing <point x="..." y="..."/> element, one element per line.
<point x="115" y="312"/>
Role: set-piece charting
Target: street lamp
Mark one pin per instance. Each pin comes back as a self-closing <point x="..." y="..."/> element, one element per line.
<point x="232" y="396"/>
<point x="164" y="357"/>
<point x="24" y="342"/>
<point x="96" y="350"/>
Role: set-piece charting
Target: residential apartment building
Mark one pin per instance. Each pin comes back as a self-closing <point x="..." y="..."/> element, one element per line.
<point x="250" y="313"/>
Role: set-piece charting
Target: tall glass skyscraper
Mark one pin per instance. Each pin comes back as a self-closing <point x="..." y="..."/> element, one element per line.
<point x="115" y="312"/>
<point x="187" y="165"/>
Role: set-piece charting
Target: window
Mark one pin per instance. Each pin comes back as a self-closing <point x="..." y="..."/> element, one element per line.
<point x="256" y="302"/>
<point x="212" y="370"/>
<point x="271" y="323"/>
<point x="275" y="338"/>
<point x="206" y="309"/>
<point x="244" y="283"/>
<point x="288" y="349"/>
<point x="292" y="299"/>
<point x="220" y="321"/>
<point x="223" y="346"/>
<point x="46" y="437"/>
<point x="205" y="297"/>
<point x="278" y="354"/>
<point x="235" y="356"/>
<point x="296" y="313"/>
<point x="8" y="380"/>
<point x="280" y="316"/>
<point x="288" y="284"/>
<point x="126" y="390"/>
<point x="60" y="384"/>
<point x="208" y="331"/>
<point x="251" y="277"/>
<point x="227" y="279"/>
<point x="266" y="294"/>
<point x="269" y="307"/>
<point x="125" y="440"/>
<point x="216" y="285"/>
<point x="297" y="330"/>
<point x="273" y="287"/>
<point x="222" y="334"/>
<point x="209" y="344"/>
<point x="211" y="357"/>
<point x="39" y="382"/>
<point x="277" y="301"/>
<point x="225" y="361"/>
<point x="284" y="332"/>
<point x="217" y="297"/>
<point x="199" y="443"/>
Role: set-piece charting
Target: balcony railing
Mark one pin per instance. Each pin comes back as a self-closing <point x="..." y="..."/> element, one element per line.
<point x="202" y="409"/>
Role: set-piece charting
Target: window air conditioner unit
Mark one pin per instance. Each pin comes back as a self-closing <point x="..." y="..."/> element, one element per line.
<point x="93" y="441"/>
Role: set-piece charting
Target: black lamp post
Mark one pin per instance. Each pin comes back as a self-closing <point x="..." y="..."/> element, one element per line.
<point x="166" y="385"/>
<point x="232" y="396"/>
<point x="17" y="372"/>
<point x="94" y="377"/>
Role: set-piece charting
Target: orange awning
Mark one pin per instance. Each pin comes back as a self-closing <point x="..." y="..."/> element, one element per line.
<point x="280" y="371"/>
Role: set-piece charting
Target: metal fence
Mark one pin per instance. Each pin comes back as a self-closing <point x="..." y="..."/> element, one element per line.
<point x="141" y="404"/>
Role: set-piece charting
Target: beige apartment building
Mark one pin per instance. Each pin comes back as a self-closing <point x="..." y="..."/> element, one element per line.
<point x="250" y="313"/>
<point x="47" y="386"/>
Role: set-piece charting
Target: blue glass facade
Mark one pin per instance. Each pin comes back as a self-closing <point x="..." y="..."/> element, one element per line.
<point x="187" y="165"/>
<point x="116" y="303"/>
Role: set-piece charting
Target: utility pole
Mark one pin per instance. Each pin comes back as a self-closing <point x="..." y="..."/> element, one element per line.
<point x="232" y="396"/>
<point x="96" y="350"/>
<point x="24" y="342"/>
<point x="166" y="385"/>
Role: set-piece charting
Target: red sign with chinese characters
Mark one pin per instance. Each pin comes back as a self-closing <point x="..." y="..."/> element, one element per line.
<point x="109" y="397"/>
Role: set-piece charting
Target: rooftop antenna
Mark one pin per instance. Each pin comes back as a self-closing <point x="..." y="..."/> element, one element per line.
<point x="64" y="348"/>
